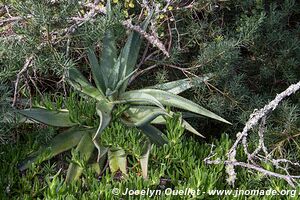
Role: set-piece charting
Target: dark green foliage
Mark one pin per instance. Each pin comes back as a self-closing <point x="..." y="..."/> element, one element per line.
<point x="251" y="47"/>
<point x="6" y="115"/>
<point x="46" y="34"/>
<point x="23" y="39"/>
<point x="178" y="165"/>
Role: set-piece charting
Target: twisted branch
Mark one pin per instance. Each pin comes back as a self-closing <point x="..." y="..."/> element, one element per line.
<point x="256" y="117"/>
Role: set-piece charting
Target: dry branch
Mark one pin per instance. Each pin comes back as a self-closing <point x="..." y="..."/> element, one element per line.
<point x="23" y="70"/>
<point x="258" y="117"/>
<point x="151" y="39"/>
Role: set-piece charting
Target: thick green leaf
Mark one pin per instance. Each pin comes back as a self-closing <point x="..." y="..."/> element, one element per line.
<point x="100" y="164"/>
<point x="108" y="10"/>
<point x="98" y="74"/>
<point x="105" y="75"/>
<point x="119" y="85"/>
<point x="117" y="160"/>
<point x="109" y="59"/>
<point x="103" y="153"/>
<point x="170" y="99"/>
<point x="17" y="119"/>
<point x="104" y="112"/>
<point x="95" y="167"/>
<point x="52" y="118"/>
<point x="130" y="52"/>
<point x="190" y="128"/>
<point x="113" y="76"/>
<point x="79" y="82"/>
<point x="185" y="124"/>
<point x="144" y="160"/>
<point x="140" y="115"/>
<point x="60" y="143"/>
<point x="109" y="53"/>
<point x="85" y="149"/>
<point x="187" y="115"/>
<point x="138" y="97"/>
<point x="179" y="86"/>
<point x="155" y="135"/>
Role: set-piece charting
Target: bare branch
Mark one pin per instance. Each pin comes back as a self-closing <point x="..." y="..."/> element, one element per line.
<point x="258" y="116"/>
<point x="23" y="70"/>
<point x="152" y="39"/>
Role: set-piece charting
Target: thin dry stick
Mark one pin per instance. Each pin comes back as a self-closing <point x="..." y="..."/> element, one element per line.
<point x="34" y="84"/>
<point x="139" y="73"/>
<point x="287" y="178"/>
<point x="176" y="30"/>
<point x="144" y="56"/>
<point x="183" y="70"/>
<point x="170" y="35"/>
<point x="24" y="69"/>
<point x="10" y="20"/>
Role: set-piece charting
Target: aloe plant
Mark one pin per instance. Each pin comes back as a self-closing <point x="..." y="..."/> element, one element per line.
<point x="140" y="108"/>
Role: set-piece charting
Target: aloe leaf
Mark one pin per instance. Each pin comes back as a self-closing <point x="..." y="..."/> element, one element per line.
<point x="179" y="86"/>
<point x="108" y="10"/>
<point x="103" y="153"/>
<point x="79" y="82"/>
<point x="104" y="112"/>
<point x="186" y="115"/>
<point x="119" y="84"/>
<point x="129" y="54"/>
<point x="109" y="53"/>
<point x="185" y="124"/>
<point x="138" y="116"/>
<point x="138" y="97"/>
<point x="117" y="160"/>
<point x="99" y="76"/>
<point x="155" y="135"/>
<point x="145" y="159"/>
<point x="101" y="161"/>
<point x="85" y="149"/>
<point x="96" y="167"/>
<point x="190" y="128"/>
<point x="51" y="118"/>
<point x="109" y="58"/>
<point x="170" y="99"/>
<point x="100" y="165"/>
<point x="60" y="143"/>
